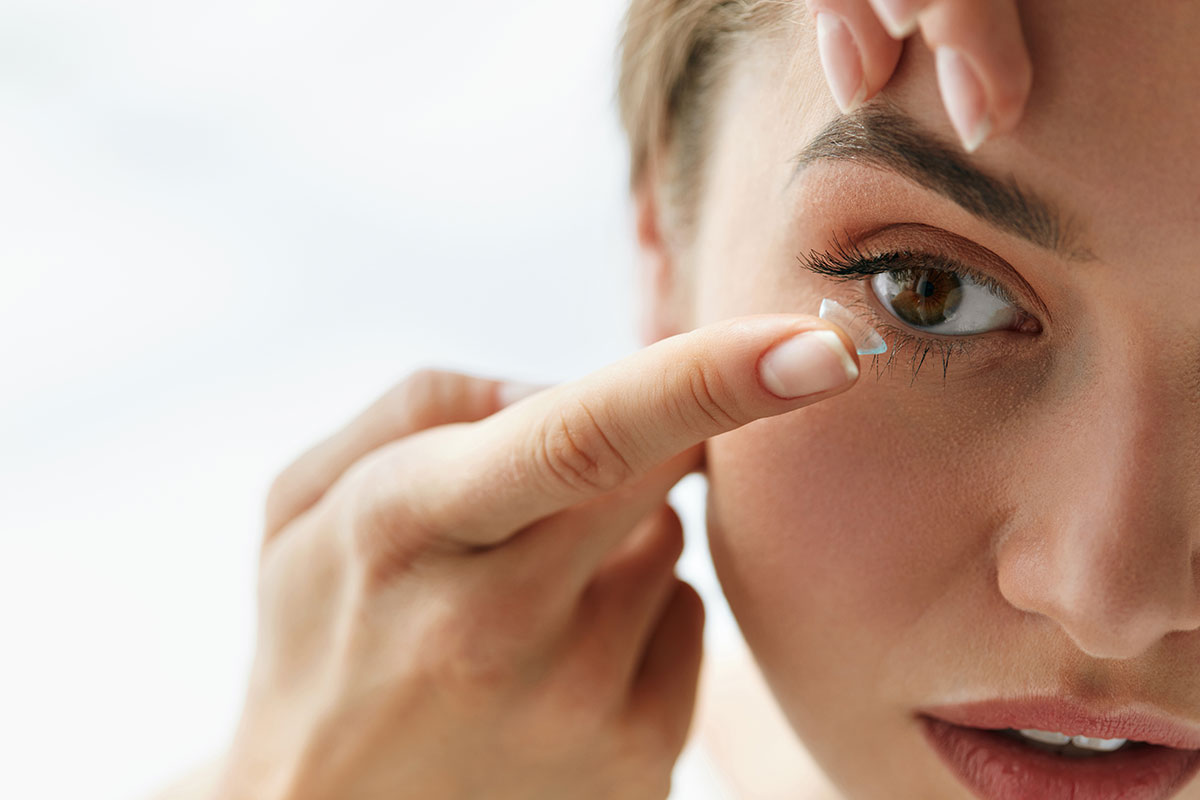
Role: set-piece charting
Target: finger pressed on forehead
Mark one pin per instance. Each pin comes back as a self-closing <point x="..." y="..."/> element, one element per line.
<point x="480" y="483"/>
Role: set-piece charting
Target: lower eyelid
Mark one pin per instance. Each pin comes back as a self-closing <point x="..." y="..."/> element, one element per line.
<point x="919" y="349"/>
<point x="976" y="354"/>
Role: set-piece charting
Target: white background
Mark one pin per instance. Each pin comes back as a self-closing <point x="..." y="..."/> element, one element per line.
<point x="225" y="228"/>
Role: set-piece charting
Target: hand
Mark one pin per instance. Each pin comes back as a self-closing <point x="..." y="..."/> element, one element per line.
<point x="983" y="66"/>
<point x="458" y="601"/>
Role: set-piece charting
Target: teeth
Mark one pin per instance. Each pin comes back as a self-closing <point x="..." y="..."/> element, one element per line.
<point x="1083" y="742"/>
<point x="1045" y="737"/>
<point x="1103" y="745"/>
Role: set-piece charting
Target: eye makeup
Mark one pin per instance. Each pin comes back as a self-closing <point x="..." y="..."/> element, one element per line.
<point x="920" y="300"/>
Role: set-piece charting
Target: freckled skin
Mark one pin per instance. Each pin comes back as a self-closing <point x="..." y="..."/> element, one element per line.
<point x="1029" y="523"/>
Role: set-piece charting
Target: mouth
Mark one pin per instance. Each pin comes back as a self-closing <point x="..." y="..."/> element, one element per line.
<point x="1050" y="748"/>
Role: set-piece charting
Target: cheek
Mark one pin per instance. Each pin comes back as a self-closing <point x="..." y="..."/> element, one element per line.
<point x="836" y="535"/>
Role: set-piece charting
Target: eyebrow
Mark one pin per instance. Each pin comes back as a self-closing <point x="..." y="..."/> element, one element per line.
<point x="881" y="137"/>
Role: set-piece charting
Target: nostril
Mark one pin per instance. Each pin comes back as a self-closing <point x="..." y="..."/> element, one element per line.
<point x="1101" y="623"/>
<point x="1117" y="633"/>
<point x="1115" y="590"/>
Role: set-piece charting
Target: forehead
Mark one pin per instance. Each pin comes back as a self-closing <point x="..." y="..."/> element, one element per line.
<point x="1111" y="130"/>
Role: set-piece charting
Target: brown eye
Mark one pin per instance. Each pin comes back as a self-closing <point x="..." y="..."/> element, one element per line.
<point x="927" y="297"/>
<point x="943" y="301"/>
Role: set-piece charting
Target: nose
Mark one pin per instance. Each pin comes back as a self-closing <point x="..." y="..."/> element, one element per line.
<point x="1105" y="544"/>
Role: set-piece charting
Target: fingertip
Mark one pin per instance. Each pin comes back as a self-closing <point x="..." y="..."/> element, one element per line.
<point x="812" y="362"/>
<point x="964" y="95"/>
<point x="899" y="17"/>
<point x="693" y="604"/>
<point x="1011" y="96"/>
<point x="842" y="61"/>
<point x="857" y="54"/>
<point x="985" y="73"/>
<point x="851" y="348"/>
<point x="669" y="677"/>
<point x="684" y="622"/>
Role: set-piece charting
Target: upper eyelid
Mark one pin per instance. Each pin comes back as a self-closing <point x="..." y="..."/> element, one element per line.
<point x="852" y="269"/>
<point x="978" y="276"/>
<point x="933" y="241"/>
<point x="851" y="258"/>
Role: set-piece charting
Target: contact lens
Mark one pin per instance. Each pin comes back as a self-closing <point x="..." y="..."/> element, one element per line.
<point x="866" y="339"/>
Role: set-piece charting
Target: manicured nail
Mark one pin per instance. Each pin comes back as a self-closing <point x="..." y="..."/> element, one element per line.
<point x="841" y="61"/>
<point x="898" y="16"/>
<point x="512" y="391"/>
<point x="814" y="361"/>
<point x="866" y="339"/>
<point x="965" y="99"/>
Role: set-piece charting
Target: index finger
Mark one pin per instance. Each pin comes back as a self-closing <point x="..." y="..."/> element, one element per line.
<point x="480" y="483"/>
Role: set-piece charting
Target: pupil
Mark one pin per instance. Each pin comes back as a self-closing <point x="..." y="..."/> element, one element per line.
<point x="925" y="297"/>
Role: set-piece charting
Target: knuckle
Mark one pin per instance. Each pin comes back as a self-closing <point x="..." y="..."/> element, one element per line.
<point x="279" y="498"/>
<point x="711" y="403"/>
<point x="359" y="487"/>
<point x="575" y="452"/>
<point x="1011" y="89"/>
<point x="290" y="493"/>
<point x="422" y="383"/>
<point x="663" y="543"/>
<point x="416" y="394"/>
<point x="384" y="533"/>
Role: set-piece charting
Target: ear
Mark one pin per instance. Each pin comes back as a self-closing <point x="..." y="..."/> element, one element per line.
<point x="661" y="285"/>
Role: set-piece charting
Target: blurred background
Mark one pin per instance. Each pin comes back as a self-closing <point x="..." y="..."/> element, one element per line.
<point x="225" y="228"/>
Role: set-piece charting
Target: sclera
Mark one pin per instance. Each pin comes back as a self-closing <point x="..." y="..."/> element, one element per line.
<point x="866" y="339"/>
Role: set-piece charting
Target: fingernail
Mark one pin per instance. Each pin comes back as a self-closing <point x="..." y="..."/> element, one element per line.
<point x="867" y="340"/>
<point x="965" y="99"/>
<point x="898" y="16"/>
<point x="841" y="61"/>
<point x="512" y="391"/>
<point x="814" y="361"/>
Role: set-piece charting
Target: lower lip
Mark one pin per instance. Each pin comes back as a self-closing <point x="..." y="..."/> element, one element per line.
<point x="995" y="767"/>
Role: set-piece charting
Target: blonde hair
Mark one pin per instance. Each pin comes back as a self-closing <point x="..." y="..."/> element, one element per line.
<point x="674" y="55"/>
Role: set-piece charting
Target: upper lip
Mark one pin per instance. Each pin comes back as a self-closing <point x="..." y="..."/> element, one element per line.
<point x="1073" y="718"/>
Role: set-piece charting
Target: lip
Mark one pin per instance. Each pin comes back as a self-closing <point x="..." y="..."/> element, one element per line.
<point x="995" y="766"/>
<point x="1072" y="718"/>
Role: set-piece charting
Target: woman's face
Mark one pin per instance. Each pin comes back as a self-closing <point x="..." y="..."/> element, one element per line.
<point x="1005" y="514"/>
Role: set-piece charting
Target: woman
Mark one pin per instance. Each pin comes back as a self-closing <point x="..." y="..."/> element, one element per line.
<point x="967" y="568"/>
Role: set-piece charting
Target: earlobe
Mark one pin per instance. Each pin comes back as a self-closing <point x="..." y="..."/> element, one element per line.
<point x="659" y="294"/>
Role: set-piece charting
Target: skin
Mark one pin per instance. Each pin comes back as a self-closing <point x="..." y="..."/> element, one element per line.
<point x="1031" y="522"/>
<point x="984" y="74"/>
<point x="461" y="597"/>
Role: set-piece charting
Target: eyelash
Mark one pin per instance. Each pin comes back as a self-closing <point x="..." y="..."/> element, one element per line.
<point x="844" y="262"/>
